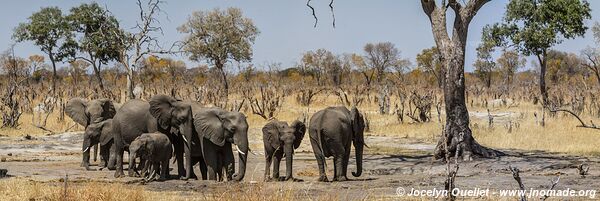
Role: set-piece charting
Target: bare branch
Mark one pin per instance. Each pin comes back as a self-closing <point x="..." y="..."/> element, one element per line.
<point x="332" y="12"/>
<point x="583" y="124"/>
<point x="313" y="12"/>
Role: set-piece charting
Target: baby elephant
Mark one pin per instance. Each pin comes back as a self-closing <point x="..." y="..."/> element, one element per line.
<point x="155" y="149"/>
<point x="279" y="138"/>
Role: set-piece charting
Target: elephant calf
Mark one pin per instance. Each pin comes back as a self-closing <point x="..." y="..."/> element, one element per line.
<point x="155" y="149"/>
<point x="280" y="139"/>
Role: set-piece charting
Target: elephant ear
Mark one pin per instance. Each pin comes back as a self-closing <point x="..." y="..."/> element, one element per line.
<point x="161" y="108"/>
<point x="106" y="134"/>
<point x="358" y="123"/>
<point x="299" y="131"/>
<point x="208" y="123"/>
<point x="108" y="108"/>
<point x="271" y="134"/>
<point x="75" y="109"/>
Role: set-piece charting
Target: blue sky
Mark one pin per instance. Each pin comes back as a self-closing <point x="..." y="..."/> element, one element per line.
<point x="287" y="26"/>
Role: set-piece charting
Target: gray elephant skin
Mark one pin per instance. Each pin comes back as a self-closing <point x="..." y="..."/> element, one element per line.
<point x="332" y="131"/>
<point x="281" y="139"/>
<point x="86" y="113"/>
<point x="101" y="134"/>
<point x="208" y="133"/>
<point x="156" y="150"/>
<point x="132" y="120"/>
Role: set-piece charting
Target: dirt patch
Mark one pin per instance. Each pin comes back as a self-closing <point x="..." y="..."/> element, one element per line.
<point x="389" y="163"/>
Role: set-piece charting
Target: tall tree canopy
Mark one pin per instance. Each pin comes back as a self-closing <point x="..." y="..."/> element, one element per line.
<point x="534" y="26"/>
<point x="50" y="31"/>
<point x="218" y="36"/>
<point x="98" y="36"/>
<point x="429" y="61"/>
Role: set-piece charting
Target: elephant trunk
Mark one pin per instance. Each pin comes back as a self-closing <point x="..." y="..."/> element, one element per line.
<point x="242" y="158"/>
<point x="289" y="157"/>
<point x="358" y="149"/>
<point x="132" y="156"/>
<point x="86" y="154"/>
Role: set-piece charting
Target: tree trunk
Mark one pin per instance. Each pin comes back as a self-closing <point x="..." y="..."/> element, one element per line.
<point x="220" y="66"/>
<point x="130" y="84"/>
<point x="458" y="135"/>
<point x="543" y="89"/>
<point x="98" y="77"/>
<point x="54" y="75"/>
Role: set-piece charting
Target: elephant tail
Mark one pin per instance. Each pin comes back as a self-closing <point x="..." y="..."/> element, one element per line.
<point x="320" y="143"/>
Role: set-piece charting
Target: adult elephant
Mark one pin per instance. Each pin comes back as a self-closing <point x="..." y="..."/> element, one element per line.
<point x="86" y="113"/>
<point x="101" y="134"/>
<point x="331" y="132"/>
<point x="214" y="128"/>
<point x="132" y="120"/>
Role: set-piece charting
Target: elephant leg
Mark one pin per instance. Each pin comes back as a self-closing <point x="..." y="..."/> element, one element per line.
<point x="339" y="168"/>
<point x="119" y="161"/>
<point x="104" y="156"/>
<point x="164" y="170"/>
<point x="345" y="163"/>
<point x="112" y="157"/>
<point x="131" y="167"/>
<point x="210" y="159"/>
<point x="179" y="149"/>
<point x="278" y="155"/>
<point x="320" y="160"/>
<point x="228" y="162"/>
<point x="268" y="159"/>
<point x="188" y="162"/>
<point x="202" y="166"/>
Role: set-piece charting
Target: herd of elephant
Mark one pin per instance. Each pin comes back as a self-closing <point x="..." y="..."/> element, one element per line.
<point x="155" y="130"/>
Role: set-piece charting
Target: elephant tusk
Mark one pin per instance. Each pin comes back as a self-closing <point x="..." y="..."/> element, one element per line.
<point x="238" y="150"/>
<point x="86" y="149"/>
<point x="184" y="139"/>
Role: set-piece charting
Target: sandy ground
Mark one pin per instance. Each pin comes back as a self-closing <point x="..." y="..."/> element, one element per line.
<point x="50" y="158"/>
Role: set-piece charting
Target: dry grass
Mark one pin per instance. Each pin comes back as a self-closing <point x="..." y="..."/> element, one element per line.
<point x="20" y="189"/>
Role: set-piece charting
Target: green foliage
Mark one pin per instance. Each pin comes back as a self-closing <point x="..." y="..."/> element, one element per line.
<point x="219" y="35"/>
<point x="534" y="26"/>
<point x="49" y="30"/>
<point x="99" y="35"/>
<point x="429" y="61"/>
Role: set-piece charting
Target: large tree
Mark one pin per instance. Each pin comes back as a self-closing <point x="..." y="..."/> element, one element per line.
<point x="98" y="36"/>
<point x="142" y="41"/>
<point x="429" y="61"/>
<point x="534" y="26"/>
<point x="219" y="36"/>
<point x="380" y="58"/>
<point x="50" y="31"/>
<point x="457" y="139"/>
<point x="484" y="65"/>
<point x="508" y="64"/>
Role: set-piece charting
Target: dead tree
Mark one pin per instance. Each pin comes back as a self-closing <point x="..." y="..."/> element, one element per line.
<point x="422" y="107"/>
<point x="591" y="125"/>
<point x="384" y="100"/>
<point x="515" y="172"/>
<point x="307" y="95"/>
<point x="267" y="102"/>
<point x="452" y="52"/>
